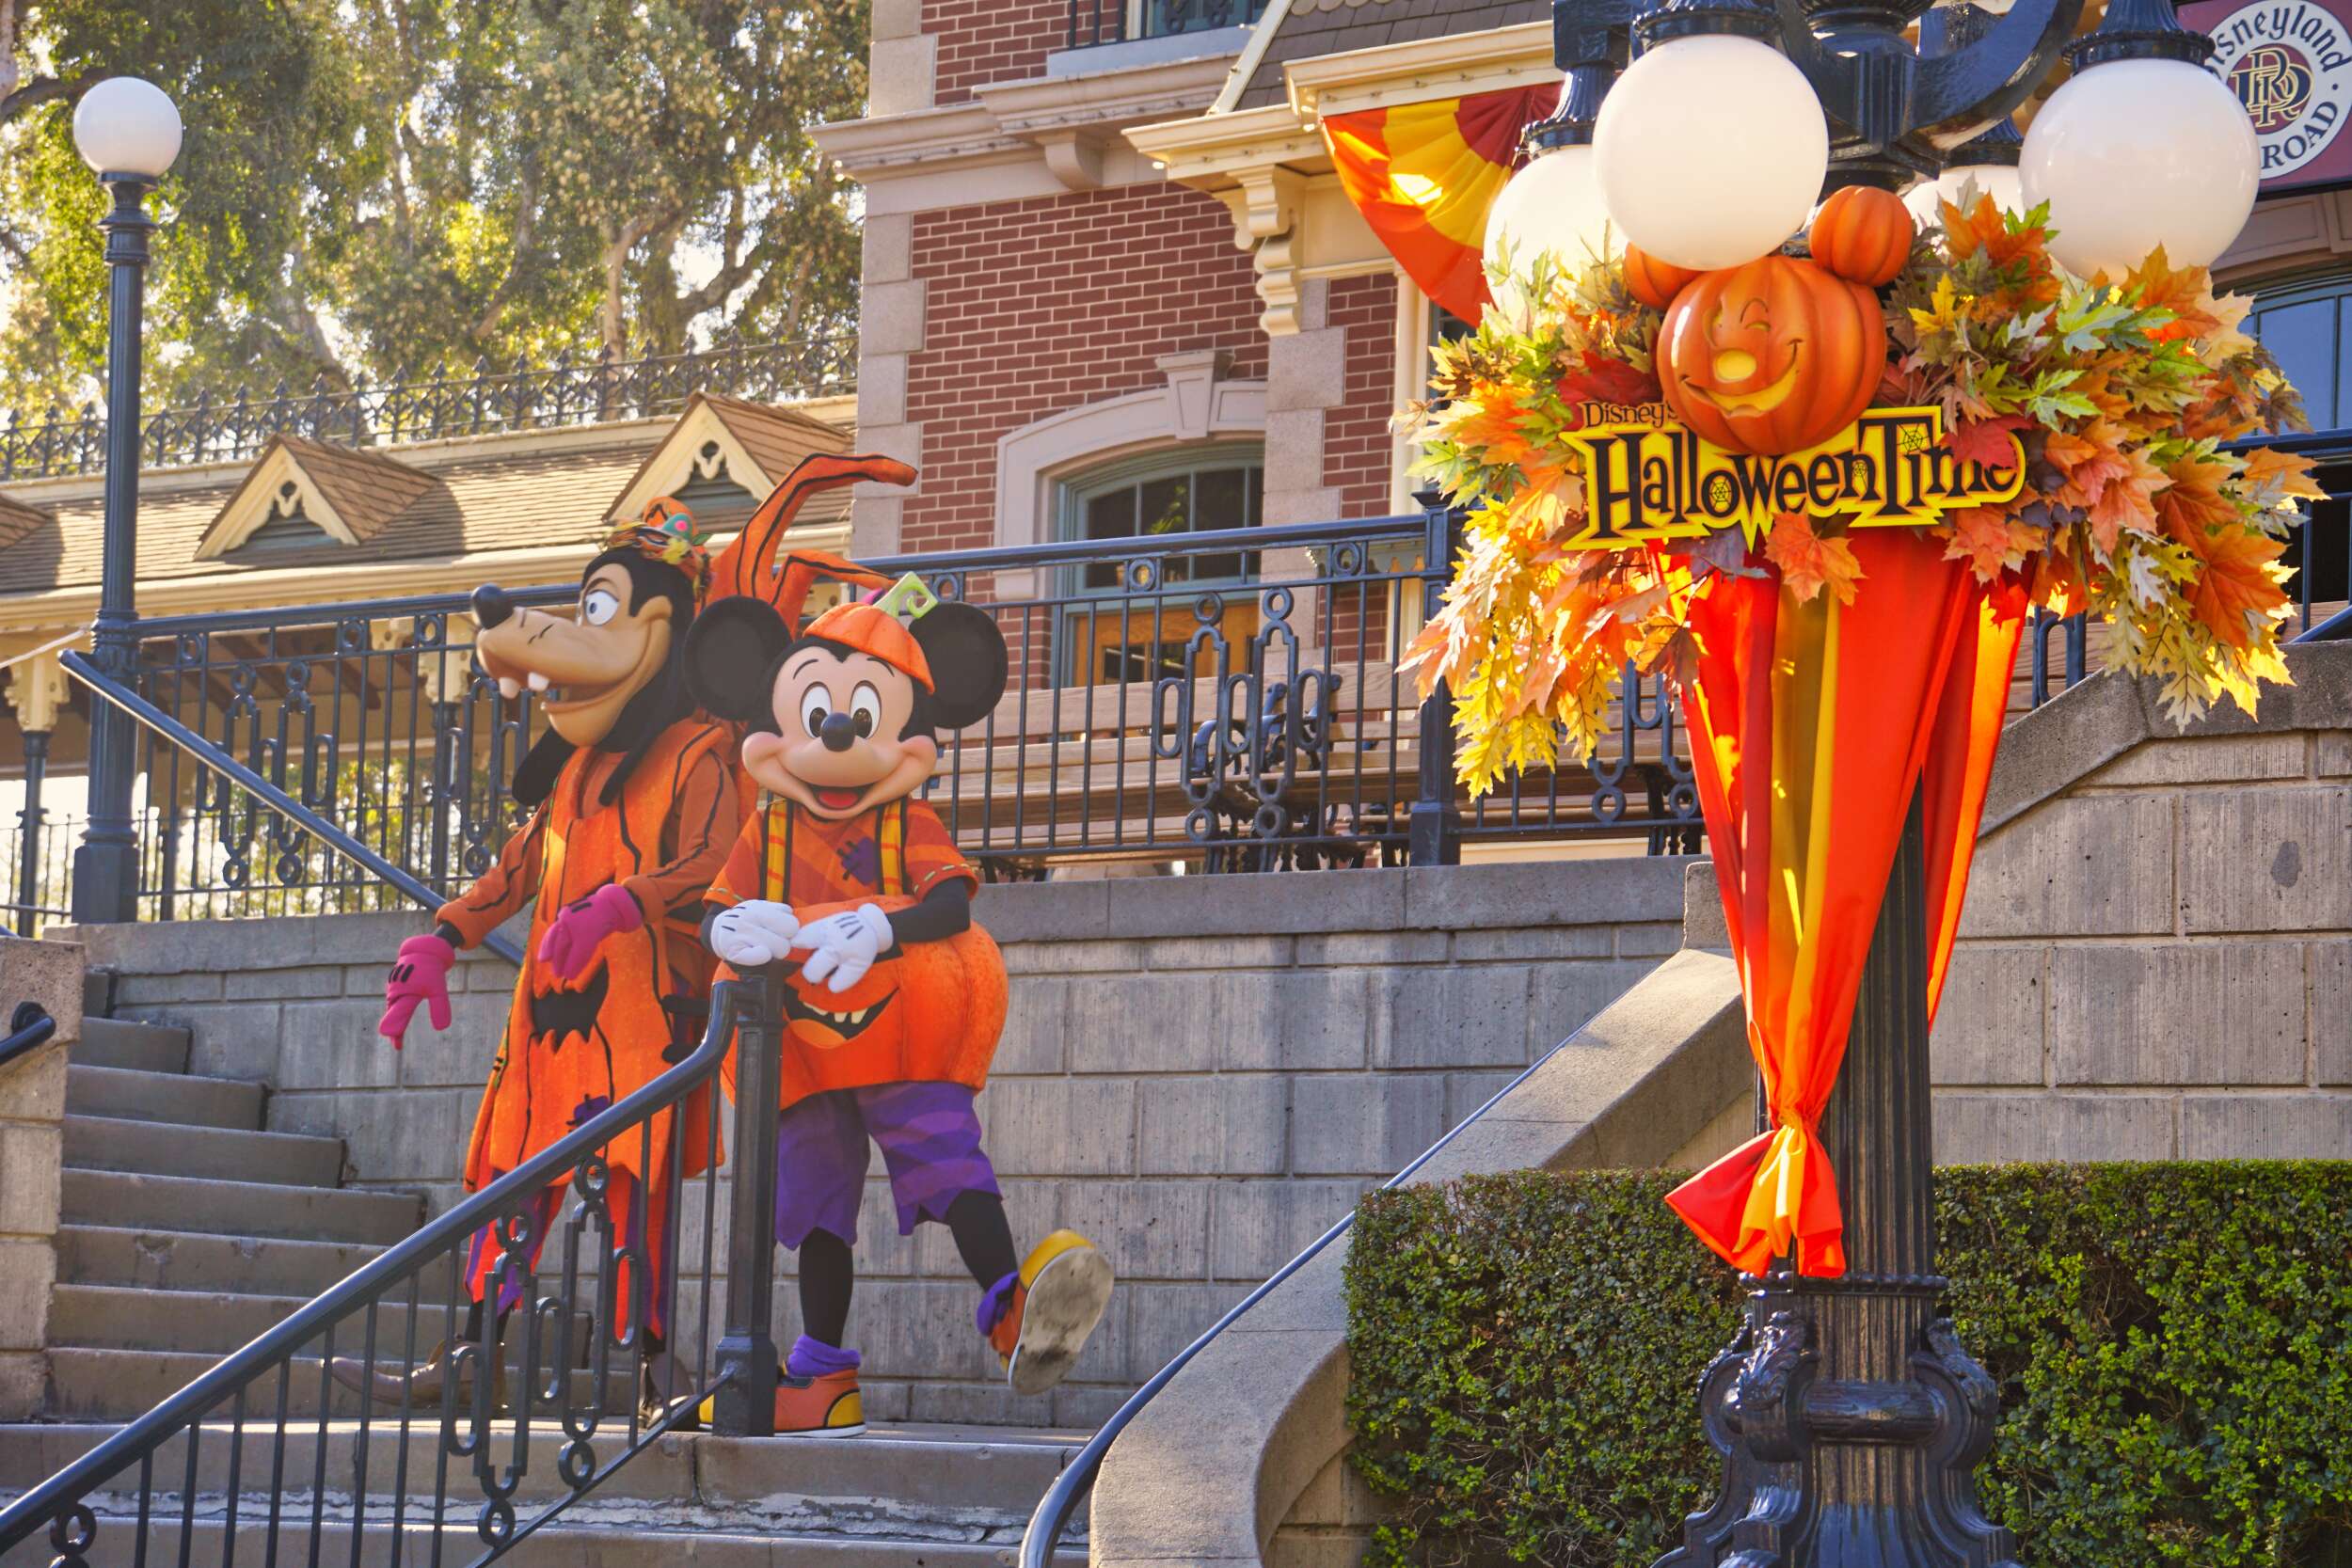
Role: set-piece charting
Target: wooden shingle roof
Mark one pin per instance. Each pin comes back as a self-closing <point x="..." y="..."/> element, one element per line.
<point x="19" y="521"/>
<point x="1313" y="28"/>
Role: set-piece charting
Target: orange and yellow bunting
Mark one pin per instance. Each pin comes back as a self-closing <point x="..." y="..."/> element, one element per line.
<point x="1425" y="175"/>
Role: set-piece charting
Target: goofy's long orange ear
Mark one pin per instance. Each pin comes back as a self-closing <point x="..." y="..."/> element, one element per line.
<point x="750" y="565"/>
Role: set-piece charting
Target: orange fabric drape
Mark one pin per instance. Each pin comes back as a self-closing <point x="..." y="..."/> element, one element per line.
<point x="1810" y="724"/>
<point x="1424" y="176"/>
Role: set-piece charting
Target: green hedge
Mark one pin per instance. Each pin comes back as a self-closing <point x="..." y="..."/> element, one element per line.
<point x="2173" y="1345"/>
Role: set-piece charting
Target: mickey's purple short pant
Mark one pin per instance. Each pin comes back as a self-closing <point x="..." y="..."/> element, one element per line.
<point x="930" y="1144"/>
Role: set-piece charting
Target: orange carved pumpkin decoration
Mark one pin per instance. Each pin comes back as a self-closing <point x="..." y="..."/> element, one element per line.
<point x="1772" y="357"/>
<point x="1863" y="234"/>
<point x="932" y="1014"/>
<point x="1653" y="282"/>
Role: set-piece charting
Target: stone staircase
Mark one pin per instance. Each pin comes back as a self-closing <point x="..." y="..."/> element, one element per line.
<point x="186" y="1229"/>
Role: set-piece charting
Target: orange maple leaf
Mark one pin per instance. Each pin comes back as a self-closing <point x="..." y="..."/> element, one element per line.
<point x="1983" y="227"/>
<point x="1991" y="540"/>
<point x="2124" y="501"/>
<point x="2235" y="583"/>
<point x="1809" y="562"/>
<point x="2089" y="460"/>
<point x="2289" y="472"/>
<point x="2186" y="292"/>
<point x="2193" y="501"/>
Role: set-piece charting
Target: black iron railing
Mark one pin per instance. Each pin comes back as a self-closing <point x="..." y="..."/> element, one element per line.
<point x="1093" y="22"/>
<point x="586" y="389"/>
<point x="30" y="1028"/>
<point x="1171" y="703"/>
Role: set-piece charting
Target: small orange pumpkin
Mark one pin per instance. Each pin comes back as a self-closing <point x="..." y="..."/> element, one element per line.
<point x="1653" y="281"/>
<point x="1863" y="234"/>
<point x="1772" y="357"/>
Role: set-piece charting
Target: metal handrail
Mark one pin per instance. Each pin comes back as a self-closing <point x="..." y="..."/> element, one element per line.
<point x="65" y="1490"/>
<point x="2336" y="629"/>
<point x="1052" y="1515"/>
<point x="80" y="667"/>
<point x="29" y="1028"/>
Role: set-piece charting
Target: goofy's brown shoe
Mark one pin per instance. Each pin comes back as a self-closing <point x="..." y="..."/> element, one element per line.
<point x="421" y="1385"/>
<point x="1056" y="1302"/>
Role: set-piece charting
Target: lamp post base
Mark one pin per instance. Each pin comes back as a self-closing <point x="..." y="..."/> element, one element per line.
<point x="1826" y="1465"/>
<point x="106" y="881"/>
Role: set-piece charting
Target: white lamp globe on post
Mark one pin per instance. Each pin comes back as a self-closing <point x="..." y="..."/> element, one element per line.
<point x="1988" y="163"/>
<point x="2144" y="146"/>
<point x="129" y="133"/>
<point x="1711" y="148"/>
<point x="125" y="126"/>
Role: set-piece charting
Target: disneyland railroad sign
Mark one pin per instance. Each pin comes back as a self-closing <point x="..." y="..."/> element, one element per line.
<point x="2291" y="65"/>
<point x="1649" y="477"/>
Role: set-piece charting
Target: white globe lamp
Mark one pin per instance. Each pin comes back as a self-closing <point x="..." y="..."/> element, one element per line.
<point x="2143" y="147"/>
<point x="1554" y="207"/>
<point x="1711" y="151"/>
<point x="127" y="128"/>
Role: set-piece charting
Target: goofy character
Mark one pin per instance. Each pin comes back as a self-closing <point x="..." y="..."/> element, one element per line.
<point x="637" y="799"/>
<point x="892" y="1017"/>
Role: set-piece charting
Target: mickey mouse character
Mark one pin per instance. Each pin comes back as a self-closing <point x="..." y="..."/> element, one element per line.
<point x="893" y="1015"/>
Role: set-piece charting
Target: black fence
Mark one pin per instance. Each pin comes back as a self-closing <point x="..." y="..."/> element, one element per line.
<point x="1227" y="702"/>
<point x="1093" y="22"/>
<point x="586" y="389"/>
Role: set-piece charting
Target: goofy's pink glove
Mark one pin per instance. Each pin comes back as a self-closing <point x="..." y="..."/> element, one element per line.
<point x="574" y="936"/>
<point x="419" y="973"/>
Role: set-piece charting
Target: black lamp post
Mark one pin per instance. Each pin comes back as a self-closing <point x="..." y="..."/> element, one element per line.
<point x="128" y="130"/>
<point x="1848" y="1415"/>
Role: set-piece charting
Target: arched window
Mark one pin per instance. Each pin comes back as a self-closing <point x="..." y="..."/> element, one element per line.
<point x="2308" y="330"/>
<point x="1113" y="633"/>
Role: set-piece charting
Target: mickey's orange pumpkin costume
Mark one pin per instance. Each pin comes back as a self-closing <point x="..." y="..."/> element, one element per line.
<point x="893" y="1016"/>
<point x="637" y="799"/>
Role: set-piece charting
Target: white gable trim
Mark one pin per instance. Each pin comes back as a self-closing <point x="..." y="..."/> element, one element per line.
<point x="249" y="508"/>
<point x="678" y="461"/>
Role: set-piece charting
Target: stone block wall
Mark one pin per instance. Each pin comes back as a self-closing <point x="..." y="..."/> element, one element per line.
<point x="32" y="1149"/>
<point x="2156" y="957"/>
<point x="1201" y="1074"/>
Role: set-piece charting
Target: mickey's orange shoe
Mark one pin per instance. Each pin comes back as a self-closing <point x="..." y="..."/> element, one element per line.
<point x="1057" y="1299"/>
<point x="826" y="1406"/>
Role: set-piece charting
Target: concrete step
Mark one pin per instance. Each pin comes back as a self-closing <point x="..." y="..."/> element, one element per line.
<point x="128" y="1094"/>
<point x="187" y="1261"/>
<point x="916" y="1489"/>
<point x="240" y="1208"/>
<point x="214" y="1322"/>
<point x="283" y="1159"/>
<point x="87" y="1384"/>
<point x="141" y="1046"/>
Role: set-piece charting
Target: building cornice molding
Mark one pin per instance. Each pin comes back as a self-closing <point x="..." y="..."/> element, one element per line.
<point x="1066" y="124"/>
<point x="1273" y="170"/>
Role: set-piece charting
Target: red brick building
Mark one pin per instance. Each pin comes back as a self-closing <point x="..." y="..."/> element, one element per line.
<point x="1104" y="246"/>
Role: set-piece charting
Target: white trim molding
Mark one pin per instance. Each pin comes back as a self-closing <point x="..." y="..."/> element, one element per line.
<point x="1197" y="404"/>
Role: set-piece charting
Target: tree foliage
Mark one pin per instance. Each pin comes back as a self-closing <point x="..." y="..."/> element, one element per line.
<point x="371" y="187"/>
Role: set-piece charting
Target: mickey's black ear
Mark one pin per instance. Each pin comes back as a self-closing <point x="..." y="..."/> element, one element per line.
<point x="728" y="651"/>
<point x="966" y="653"/>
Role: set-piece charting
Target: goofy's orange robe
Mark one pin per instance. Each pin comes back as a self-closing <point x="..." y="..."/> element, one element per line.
<point x="574" y="1048"/>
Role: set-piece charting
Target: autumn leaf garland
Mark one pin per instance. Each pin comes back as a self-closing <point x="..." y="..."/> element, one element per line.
<point x="2122" y="394"/>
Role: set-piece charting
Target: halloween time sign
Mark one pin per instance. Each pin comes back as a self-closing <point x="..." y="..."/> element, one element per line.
<point x="1649" y="477"/>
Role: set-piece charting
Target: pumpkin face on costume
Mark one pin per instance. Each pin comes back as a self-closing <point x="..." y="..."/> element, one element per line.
<point x="933" y="1013"/>
<point x="1772" y="357"/>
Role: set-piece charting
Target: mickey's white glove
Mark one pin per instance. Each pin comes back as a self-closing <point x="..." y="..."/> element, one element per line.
<point x="755" y="932"/>
<point x="847" y="946"/>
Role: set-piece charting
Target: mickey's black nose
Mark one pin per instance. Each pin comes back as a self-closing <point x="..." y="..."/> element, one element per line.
<point x="839" y="732"/>
<point x="492" y="606"/>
